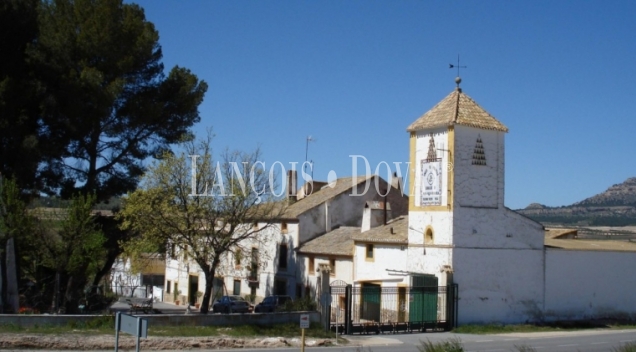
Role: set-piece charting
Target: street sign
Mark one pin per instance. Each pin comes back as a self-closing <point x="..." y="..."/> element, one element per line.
<point x="129" y="324"/>
<point x="304" y="321"/>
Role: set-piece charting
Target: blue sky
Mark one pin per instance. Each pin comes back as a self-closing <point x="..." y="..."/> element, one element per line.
<point x="354" y="74"/>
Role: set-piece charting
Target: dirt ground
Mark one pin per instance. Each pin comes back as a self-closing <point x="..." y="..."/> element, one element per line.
<point x="127" y="342"/>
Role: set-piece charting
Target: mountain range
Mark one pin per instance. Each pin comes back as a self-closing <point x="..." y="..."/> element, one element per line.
<point x="614" y="207"/>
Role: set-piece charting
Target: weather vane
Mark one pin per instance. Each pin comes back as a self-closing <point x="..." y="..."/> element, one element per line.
<point x="458" y="80"/>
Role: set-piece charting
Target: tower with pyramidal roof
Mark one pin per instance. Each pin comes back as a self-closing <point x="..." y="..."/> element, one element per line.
<point x="459" y="229"/>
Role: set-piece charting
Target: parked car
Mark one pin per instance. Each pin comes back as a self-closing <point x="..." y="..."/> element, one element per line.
<point x="271" y="304"/>
<point x="231" y="304"/>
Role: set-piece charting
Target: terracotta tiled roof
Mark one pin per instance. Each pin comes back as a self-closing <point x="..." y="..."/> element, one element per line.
<point x="395" y="231"/>
<point x="336" y="242"/>
<point x="457" y="109"/>
<point x="591" y="245"/>
<point x="319" y="196"/>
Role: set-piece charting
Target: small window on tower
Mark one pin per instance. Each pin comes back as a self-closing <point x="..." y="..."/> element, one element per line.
<point x="283" y="227"/>
<point x="479" y="156"/>
<point x="428" y="239"/>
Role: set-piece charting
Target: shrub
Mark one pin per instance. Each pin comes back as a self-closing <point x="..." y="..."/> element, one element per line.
<point x="450" y="345"/>
<point x="104" y="321"/>
<point x="305" y="304"/>
<point x="628" y="347"/>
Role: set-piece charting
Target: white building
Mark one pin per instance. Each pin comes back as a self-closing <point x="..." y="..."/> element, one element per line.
<point x="461" y="232"/>
<point x="508" y="268"/>
<point x="279" y="270"/>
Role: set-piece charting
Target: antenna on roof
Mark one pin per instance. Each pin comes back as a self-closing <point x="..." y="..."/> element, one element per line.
<point x="309" y="139"/>
<point x="458" y="79"/>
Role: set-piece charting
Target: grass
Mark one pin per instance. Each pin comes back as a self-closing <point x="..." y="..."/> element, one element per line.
<point x="628" y="347"/>
<point x="106" y="325"/>
<point x="450" y="345"/>
<point x="502" y="328"/>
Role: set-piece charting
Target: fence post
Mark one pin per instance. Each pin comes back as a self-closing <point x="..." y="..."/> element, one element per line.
<point x="451" y="306"/>
<point x="348" y="307"/>
<point x="328" y="298"/>
<point x="455" y="304"/>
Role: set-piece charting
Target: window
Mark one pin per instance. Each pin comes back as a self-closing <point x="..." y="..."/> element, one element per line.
<point x="311" y="266"/>
<point x="255" y="226"/>
<point x="283" y="227"/>
<point x="428" y="238"/>
<point x="280" y="287"/>
<point x="254" y="264"/>
<point x="172" y="250"/>
<point x="152" y="280"/>
<point x="369" y="254"/>
<point x="168" y="283"/>
<point x="238" y="257"/>
<point x="237" y="287"/>
<point x="299" y="290"/>
<point x="282" y="256"/>
<point x="332" y="264"/>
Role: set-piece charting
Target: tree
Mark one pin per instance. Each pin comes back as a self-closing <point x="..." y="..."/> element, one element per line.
<point x="71" y="244"/>
<point x="207" y="213"/>
<point x="20" y="131"/>
<point x="106" y="99"/>
<point x="16" y="224"/>
<point x="106" y="105"/>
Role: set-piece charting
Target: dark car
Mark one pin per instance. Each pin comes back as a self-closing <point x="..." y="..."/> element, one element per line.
<point x="271" y="304"/>
<point x="231" y="304"/>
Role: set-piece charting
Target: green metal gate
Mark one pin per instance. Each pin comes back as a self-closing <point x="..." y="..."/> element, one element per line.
<point x="371" y="302"/>
<point x="423" y="299"/>
<point x="371" y="308"/>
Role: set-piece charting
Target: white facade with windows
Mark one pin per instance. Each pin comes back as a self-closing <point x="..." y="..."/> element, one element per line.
<point x="458" y="231"/>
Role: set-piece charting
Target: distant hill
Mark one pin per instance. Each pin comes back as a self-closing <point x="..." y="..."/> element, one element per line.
<point x="614" y="207"/>
<point x="622" y="194"/>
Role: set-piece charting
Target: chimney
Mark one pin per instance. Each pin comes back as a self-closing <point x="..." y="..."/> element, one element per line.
<point x="396" y="182"/>
<point x="374" y="214"/>
<point x="291" y="186"/>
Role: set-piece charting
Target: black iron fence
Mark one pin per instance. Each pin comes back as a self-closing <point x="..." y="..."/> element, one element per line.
<point x="375" y="309"/>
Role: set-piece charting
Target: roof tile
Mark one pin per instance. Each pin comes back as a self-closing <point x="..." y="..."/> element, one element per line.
<point x="457" y="109"/>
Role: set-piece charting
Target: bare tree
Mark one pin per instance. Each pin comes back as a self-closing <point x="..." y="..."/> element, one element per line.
<point x="204" y="208"/>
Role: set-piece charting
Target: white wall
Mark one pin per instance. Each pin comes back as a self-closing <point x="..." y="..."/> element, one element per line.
<point x="268" y="244"/>
<point x="495" y="228"/>
<point x="499" y="285"/>
<point x="584" y="284"/>
<point x="429" y="258"/>
<point x="344" y="272"/>
<point x="344" y="210"/>
<point x="478" y="185"/>
<point x="384" y="257"/>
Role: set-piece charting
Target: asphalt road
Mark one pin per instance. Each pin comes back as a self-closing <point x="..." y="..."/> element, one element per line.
<point x="586" y="340"/>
